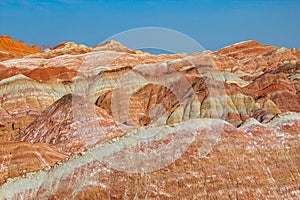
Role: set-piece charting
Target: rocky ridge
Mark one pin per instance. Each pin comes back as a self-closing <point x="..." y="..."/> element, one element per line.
<point x="10" y="49"/>
<point x="248" y="91"/>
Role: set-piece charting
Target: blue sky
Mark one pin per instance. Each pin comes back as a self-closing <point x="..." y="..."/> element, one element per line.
<point x="214" y="24"/>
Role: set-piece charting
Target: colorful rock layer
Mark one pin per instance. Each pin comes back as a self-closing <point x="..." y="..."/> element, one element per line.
<point x="232" y="116"/>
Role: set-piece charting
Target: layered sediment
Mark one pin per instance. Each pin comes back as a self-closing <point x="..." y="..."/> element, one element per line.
<point x="222" y="124"/>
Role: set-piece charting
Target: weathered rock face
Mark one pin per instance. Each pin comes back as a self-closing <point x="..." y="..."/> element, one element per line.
<point x="112" y="45"/>
<point x="56" y="126"/>
<point x="254" y="161"/>
<point x="235" y="111"/>
<point x="250" y="59"/>
<point x="63" y="48"/>
<point x="18" y="158"/>
<point x="14" y="49"/>
<point x="23" y="99"/>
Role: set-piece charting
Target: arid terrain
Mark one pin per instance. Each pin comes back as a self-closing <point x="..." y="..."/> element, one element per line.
<point x="230" y="119"/>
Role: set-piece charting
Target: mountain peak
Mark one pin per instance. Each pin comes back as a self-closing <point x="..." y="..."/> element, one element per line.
<point x="10" y="48"/>
<point x="112" y="45"/>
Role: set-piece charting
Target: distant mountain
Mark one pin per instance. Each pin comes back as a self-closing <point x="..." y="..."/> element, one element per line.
<point x="155" y="51"/>
<point x="44" y="46"/>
